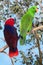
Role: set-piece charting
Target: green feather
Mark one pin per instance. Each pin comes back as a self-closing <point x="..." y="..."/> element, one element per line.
<point x="26" y="23"/>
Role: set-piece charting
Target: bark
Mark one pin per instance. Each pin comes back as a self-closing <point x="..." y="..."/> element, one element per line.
<point x="40" y="54"/>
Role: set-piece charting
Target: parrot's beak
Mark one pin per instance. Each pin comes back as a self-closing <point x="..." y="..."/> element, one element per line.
<point x="36" y="9"/>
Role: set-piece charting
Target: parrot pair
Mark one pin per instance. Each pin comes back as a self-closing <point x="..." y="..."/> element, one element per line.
<point x="26" y="23"/>
<point x="11" y="37"/>
<point x="10" y="32"/>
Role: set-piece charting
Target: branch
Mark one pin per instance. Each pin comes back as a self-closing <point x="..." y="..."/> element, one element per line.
<point x="8" y="56"/>
<point x="36" y="29"/>
<point x="2" y="49"/>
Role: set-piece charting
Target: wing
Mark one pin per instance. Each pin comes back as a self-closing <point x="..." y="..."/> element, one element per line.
<point x="25" y="26"/>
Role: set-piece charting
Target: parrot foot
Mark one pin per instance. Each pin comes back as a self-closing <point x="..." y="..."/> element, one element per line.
<point x="20" y="36"/>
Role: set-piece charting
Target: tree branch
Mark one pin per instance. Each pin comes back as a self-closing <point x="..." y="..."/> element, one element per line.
<point x="35" y="29"/>
<point x="38" y="28"/>
<point x="2" y="49"/>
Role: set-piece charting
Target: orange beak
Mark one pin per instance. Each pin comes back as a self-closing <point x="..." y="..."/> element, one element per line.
<point x="36" y="9"/>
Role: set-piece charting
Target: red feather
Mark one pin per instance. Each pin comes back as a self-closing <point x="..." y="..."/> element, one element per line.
<point x="12" y="54"/>
<point x="10" y="22"/>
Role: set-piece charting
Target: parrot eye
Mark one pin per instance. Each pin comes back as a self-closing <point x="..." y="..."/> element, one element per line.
<point x="28" y="31"/>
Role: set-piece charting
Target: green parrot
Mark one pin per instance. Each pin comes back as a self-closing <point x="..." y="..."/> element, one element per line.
<point x="26" y="23"/>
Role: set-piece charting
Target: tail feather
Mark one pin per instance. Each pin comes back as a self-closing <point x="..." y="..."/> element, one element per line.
<point x="12" y="53"/>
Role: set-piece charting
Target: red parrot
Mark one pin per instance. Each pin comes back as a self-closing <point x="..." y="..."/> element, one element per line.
<point x="11" y="37"/>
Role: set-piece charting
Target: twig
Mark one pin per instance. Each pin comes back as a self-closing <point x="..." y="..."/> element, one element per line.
<point x="12" y="61"/>
<point x="2" y="49"/>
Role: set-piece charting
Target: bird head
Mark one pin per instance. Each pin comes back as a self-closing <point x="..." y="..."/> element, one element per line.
<point x="10" y="22"/>
<point x="33" y="9"/>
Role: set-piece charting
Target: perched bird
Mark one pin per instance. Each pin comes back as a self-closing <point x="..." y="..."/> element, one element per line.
<point x="11" y="37"/>
<point x="26" y="23"/>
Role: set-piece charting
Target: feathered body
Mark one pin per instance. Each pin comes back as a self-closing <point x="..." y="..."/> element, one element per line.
<point x="26" y="23"/>
<point x="11" y="37"/>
